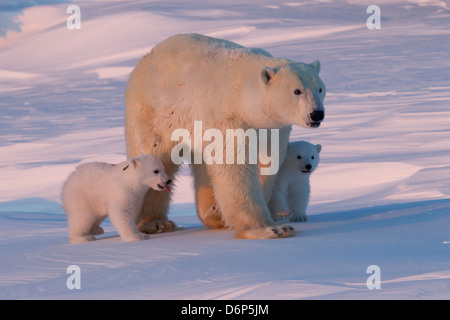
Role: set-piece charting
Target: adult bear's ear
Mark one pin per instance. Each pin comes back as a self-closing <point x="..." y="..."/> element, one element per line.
<point x="315" y="65"/>
<point x="266" y="74"/>
<point x="319" y="148"/>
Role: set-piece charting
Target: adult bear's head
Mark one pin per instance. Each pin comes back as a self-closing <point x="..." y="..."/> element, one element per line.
<point x="293" y="93"/>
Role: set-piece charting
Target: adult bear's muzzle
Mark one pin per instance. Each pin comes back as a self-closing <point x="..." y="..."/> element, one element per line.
<point x="317" y="116"/>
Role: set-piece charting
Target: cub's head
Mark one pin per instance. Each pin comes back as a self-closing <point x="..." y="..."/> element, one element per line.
<point x="302" y="157"/>
<point x="295" y="93"/>
<point x="149" y="171"/>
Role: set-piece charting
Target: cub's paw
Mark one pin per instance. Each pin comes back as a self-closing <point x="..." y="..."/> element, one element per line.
<point x="298" y="218"/>
<point x="136" y="237"/>
<point x="157" y="226"/>
<point x="82" y="239"/>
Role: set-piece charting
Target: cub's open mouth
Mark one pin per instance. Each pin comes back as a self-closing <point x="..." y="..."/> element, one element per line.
<point x="164" y="187"/>
<point x="306" y="171"/>
<point x="314" y="124"/>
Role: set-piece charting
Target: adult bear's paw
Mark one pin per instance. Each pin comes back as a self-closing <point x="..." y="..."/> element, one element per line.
<point x="271" y="232"/>
<point x="157" y="226"/>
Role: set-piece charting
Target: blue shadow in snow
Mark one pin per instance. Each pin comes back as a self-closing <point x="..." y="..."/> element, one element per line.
<point x="382" y="216"/>
<point x="36" y="205"/>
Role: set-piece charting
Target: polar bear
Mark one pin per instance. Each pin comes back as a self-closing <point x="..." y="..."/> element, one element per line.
<point x="96" y="190"/>
<point x="290" y="195"/>
<point x="189" y="78"/>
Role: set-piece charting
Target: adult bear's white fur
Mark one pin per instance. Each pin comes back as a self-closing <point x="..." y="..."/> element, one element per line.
<point x="290" y="196"/>
<point x="96" y="190"/>
<point x="189" y="78"/>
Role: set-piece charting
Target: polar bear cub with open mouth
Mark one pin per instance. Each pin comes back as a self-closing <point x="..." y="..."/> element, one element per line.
<point x="96" y="190"/>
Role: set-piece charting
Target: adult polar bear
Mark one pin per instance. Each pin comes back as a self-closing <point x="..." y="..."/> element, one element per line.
<point x="191" y="77"/>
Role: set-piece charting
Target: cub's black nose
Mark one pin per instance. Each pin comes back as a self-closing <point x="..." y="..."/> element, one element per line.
<point x="317" y="116"/>
<point x="308" y="167"/>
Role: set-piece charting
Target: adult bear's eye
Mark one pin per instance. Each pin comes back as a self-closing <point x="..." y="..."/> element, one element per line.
<point x="156" y="171"/>
<point x="312" y="157"/>
<point x="299" y="157"/>
<point x="320" y="90"/>
<point x="297" y="92"/>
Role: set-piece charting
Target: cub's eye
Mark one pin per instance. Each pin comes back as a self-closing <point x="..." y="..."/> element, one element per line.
<point x="297" y="92"/>
<point x="320" y="90"/>
<point x="312" y="157"/>
<point x="299" y="157"/>
<point x="156" y="171"/>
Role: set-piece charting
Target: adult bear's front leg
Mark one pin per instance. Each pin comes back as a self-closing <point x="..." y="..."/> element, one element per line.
<point x="152" y="217"/>
<point x="239" y="197"/>
<point x="153" y="214"/>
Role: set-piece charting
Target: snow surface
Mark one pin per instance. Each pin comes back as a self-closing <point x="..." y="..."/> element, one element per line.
<point x="381" y="195"/>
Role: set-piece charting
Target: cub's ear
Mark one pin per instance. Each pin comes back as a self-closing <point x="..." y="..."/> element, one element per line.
<point x="266" y="74"/>
<point x="134" y="162"/>
<point x="319" y="148"/>
<point x="315" y="65"/>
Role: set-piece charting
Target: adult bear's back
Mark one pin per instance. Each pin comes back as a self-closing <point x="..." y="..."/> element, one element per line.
<point x="192" y="68"/>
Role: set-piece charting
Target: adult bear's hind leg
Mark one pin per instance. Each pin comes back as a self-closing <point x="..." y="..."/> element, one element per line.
<point x="207" y="209"/>
<point x="239" y="197"/>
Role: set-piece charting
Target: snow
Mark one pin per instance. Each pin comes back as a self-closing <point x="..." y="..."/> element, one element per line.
<point x="381" y="194"/>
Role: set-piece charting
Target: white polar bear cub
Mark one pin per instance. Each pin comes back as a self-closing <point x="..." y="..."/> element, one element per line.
<point x="96" y="190"/>
<point x="290" y="195"/>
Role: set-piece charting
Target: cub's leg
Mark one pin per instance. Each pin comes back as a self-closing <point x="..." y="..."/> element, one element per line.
<point x="298" y="204"/>
<point x="123" y="220"/>
<point x="80" y="223"/>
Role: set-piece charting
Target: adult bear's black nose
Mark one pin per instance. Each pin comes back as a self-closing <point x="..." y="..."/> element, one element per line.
<point x="317" y="116"/>
<point x="308" y="167"/>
